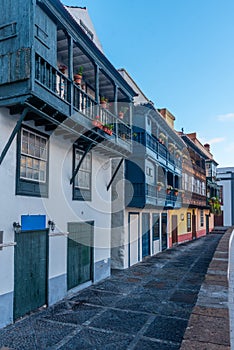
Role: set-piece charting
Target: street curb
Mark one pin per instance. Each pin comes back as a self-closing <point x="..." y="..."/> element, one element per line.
<point x="209" y="324"/>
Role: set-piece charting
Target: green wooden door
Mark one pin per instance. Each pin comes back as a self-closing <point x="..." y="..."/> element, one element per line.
<point x="79" y="253"/>
<point x="30" y="275"/>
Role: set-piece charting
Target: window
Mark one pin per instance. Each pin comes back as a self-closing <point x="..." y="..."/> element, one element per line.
<point x="155" y="225"/>
<point x="82" y="182"/>
<point x="203" y="188"/>
<point x="188" y="222"/>
<point x="32" y="164"/>
<point x="202" y="218"/>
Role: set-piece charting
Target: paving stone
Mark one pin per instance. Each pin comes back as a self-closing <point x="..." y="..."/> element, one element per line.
<point x="180" y="310"/>
<point x="167" y="328"/>
<point x="155" y="345"/>
<point x="213" y="312"/>
<point x="96" y="297"/>
<point x="89" y="339"/>
<point x="183" y="296"/>
<point x="208" y="329"/>
<point x="120" y="321"/>
<point x="36" y="335"/>
<point x="77" y="314"/>
<point x="195" y="345"/>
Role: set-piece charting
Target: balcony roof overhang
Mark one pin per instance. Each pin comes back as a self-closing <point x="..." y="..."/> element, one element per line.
<point x="68" y="23"/>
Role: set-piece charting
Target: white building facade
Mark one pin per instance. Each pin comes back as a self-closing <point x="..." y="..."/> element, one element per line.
<point x="225" y="178"/>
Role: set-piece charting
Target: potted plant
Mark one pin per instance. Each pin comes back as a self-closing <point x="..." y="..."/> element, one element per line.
<point x="104" y="102"/>
<point x="215" y="205"/>
<point x="97" y="122"/>
<point x="171" y="146"/>
<point x="78" y="75"/>
<point x="159" y="185"/>
<point x="176" y="192"/>
<point x="62" y="68"/>
<point x="162" y="138"/>
<point x="169" y="188"/>
<point x="108" y="129"/>
<point x="178" y="153"/>
<point x="122" y="112"/>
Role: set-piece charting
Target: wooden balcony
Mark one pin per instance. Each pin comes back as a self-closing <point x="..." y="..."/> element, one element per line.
<point x="158" y="151"/>
<point x="142" y="195"/>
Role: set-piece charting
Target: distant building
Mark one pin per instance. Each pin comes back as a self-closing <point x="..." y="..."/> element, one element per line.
<point x="225" y="177"/>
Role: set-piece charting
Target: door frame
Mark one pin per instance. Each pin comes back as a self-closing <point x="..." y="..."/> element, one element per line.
<point x="174" y="229"/>
<point x="194" y="225"/>
<point x="146" y="233"/>
<point x="138" y="235"/>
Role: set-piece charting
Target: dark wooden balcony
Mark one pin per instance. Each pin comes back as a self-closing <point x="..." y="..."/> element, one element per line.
<point x="33" y="78"/>
<point x="157" y="150"/>
<point x="141" y="195"/>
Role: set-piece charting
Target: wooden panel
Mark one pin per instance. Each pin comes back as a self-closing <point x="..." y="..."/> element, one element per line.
<point x="15" y="66"/>
<point x="45" y="36"/>
<point x="30" y="279"/>
<point x="79" y="254"/>
<point x="145" y="234"/>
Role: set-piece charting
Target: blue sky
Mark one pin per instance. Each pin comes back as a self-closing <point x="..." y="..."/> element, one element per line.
<point x="181" y="54"/>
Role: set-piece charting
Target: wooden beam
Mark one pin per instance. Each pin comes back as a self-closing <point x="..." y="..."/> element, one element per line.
<point x="12" y="136"/>
<point x="115" y="173"/>
<point x="80" y="162"/>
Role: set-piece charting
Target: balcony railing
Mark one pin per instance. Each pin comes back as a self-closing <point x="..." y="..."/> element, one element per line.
<point x="148" y="194"/>
<point x="57" y="83"/>
<point x="52" y="78"/>
<point x="153" y="143"/>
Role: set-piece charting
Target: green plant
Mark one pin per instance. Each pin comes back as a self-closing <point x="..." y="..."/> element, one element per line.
<point x="215" y="205"/>
<point x="80" y="70"/>
<point x="104" y="99"/>
<point x="109" y="126"/>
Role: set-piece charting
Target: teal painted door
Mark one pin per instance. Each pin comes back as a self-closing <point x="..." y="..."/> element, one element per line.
<point x="30" y="275"/>
<point x="145" y="234"/>
<point x="79" y="253"/>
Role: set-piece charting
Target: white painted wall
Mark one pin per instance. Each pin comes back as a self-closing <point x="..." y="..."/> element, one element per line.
<point x="225" y="174"/>
<point x="59" y="206"/>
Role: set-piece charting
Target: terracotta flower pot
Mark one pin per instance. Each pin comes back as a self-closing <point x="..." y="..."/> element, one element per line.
<point x="103" y="104"/>
<point x="77" y="78"/>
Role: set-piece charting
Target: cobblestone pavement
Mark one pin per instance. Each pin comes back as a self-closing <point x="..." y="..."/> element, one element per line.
<point x="145" y="307"/>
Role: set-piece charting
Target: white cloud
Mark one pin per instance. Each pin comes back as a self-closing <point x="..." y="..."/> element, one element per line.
<point x="216" y="140"/>
<point x="226" y="117"/>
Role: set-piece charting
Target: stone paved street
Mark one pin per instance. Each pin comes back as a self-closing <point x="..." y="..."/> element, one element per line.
<point x="145" y="307"/>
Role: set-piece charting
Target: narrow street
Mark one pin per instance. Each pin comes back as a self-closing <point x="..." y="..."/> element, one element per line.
<point x="145" y="307"/>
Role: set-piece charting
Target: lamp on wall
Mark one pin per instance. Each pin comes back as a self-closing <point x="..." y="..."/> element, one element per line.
<point x="17" y="227"/>
<point x="51" y="225"/>
<point x="182" y="217"/>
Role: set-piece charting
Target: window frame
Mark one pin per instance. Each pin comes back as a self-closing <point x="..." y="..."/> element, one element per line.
<point x="25" y="186"/>
<point x="202" y="218"/>
<point x="80" y="193"/>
